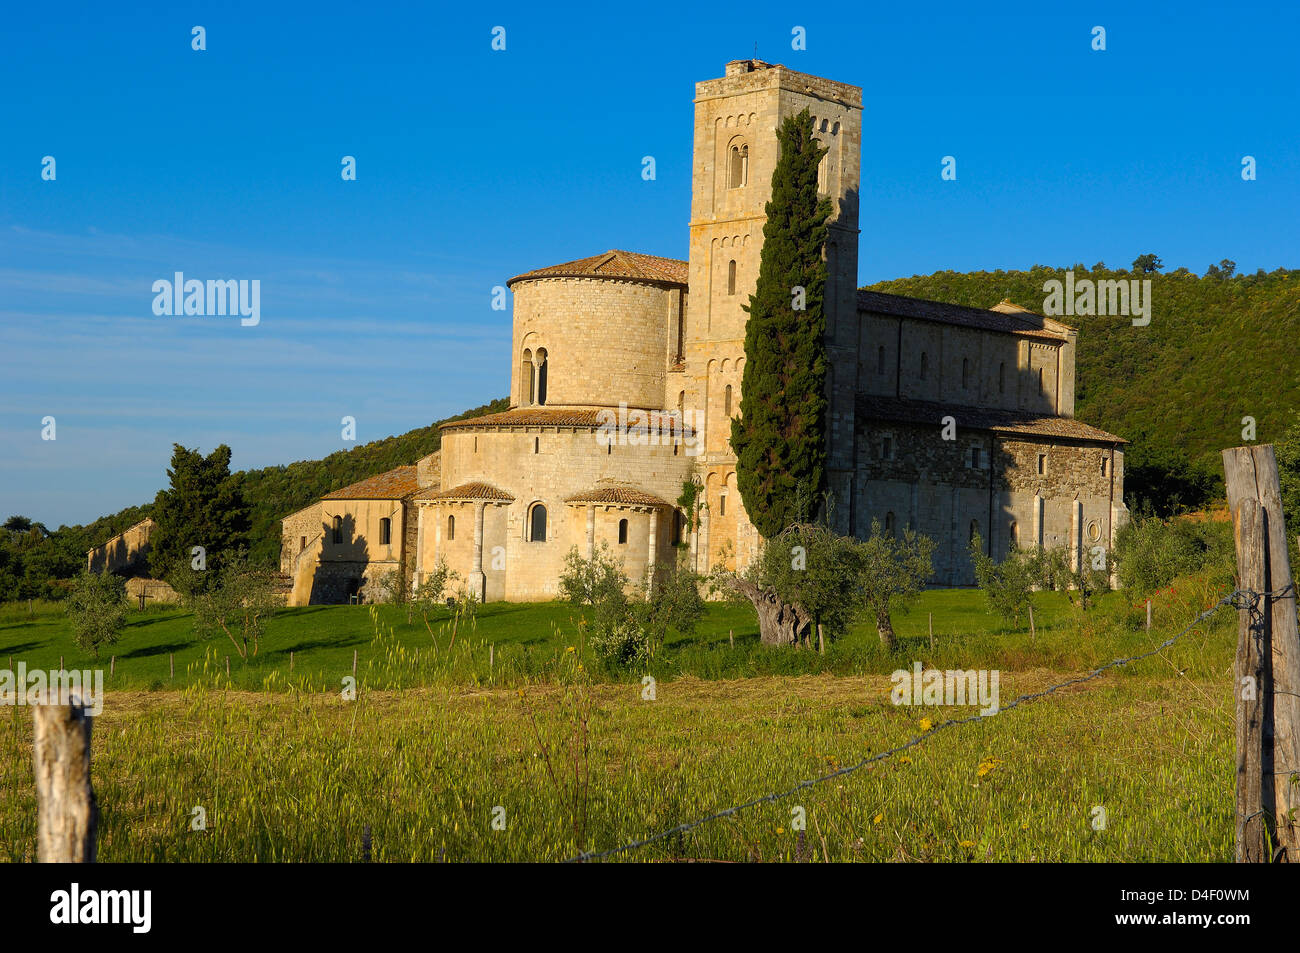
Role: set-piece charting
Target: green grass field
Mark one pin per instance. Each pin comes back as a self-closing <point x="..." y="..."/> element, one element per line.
<point x="526" y="639"/>
<point x="575" y="758"/>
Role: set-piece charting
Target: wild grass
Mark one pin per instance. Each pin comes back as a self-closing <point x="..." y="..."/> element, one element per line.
<point x="581" y="765"/>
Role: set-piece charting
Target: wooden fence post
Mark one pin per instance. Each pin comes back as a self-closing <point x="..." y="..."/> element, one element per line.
<point x="66" y="811"/>
<point x="1249" y="679"/>
<point x="1255" y="501"/>
<point x="1148" y="615"/>
<point x="171" y="663"/>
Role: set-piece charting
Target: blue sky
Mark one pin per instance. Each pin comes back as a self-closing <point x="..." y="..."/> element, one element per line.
<point x="475" y="165"/>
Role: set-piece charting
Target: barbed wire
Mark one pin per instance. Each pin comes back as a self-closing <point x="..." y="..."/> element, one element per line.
<point x="1233" y="598"/>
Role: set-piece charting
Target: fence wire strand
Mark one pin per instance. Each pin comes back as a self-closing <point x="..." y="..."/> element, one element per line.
<point x="1238" y="599"/>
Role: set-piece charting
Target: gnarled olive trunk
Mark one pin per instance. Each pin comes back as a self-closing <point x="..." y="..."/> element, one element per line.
<point x="779" y="623"/>
<point x="885" y="627"/>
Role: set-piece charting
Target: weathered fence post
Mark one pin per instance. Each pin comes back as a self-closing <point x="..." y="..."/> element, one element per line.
<point x="112" y="665"/>
<point x="1033" y="634"/>
<point x="1249" y="678"/>
<point x="1148" y="615"/>
<point x="66" y="811"/>
<point x="354" y="663"/>
<point x="171" y="663"/>
<point x="731" y="637"/>
<point x="1264" y="566"/>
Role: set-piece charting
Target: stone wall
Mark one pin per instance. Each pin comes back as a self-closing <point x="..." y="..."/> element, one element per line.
<point x="925" y="360"/>
<point x="605" y="340"/>
<point x="987" y="484"/>
<point x="547" y="466"/>
<point x="126" y="553"/>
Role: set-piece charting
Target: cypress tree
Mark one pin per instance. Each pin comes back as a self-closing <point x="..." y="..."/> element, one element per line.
<point x="203" y="506"/>
<point x="780" y="437"/>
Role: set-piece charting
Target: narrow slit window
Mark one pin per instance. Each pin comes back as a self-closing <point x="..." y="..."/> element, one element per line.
<point x="537" y="524"/>
<point x="622" y="532"/>
<point x="385" y="531"/>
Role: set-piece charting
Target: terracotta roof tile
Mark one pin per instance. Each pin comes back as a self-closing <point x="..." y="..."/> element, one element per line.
<point x="1018" y="321"/>
<point x="628" y="265"/>
<point x="472" y="491"/>
<point x="981" y="418"/>
<point x="396" y="484"/>
<point x="627" y="495"/>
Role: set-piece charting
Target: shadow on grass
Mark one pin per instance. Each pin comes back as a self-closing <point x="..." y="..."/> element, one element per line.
<point x="149" y="650"/>
<point x="22" y="647"/>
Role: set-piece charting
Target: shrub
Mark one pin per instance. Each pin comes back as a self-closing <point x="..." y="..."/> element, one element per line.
<point x="240" y="602"/>
<point x="674" y="603"/>
<point x="97" y="608"/>
<point x="1150" y="553"/>
<point x="1009" y="585"/>
<point x="620" y="642"/>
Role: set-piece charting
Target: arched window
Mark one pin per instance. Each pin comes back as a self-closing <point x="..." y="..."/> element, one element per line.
<point x="731" y="277"/>
<point x="622" y="531"/>
<point x="739" y="166"/>
<point x="726" y="401"/>
<point x="889" y="523"/>
<point x="537" y="524"/>
<point x="965" y="372"/>
<point x="925" y="365"/>
<point x="526" y="378"/>
<point x="338" y="531"/>
<point x="1103" y="466"/>
<point x="1014" y="538"/>
<point x="1002" y="377"/>
<point x="385" y="531"/>
<point x="880" y="360"/>
<point x="541" y="376"/>
<point x="451" y="527"/>
<point x="679" y="527"/>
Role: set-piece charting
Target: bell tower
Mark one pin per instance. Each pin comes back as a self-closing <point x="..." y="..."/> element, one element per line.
<point x="735" y="154"/>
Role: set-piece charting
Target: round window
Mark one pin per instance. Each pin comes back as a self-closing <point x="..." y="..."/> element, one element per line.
<point x="1094" y="531"/>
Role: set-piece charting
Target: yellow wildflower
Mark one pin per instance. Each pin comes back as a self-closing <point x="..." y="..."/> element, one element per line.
<point x="877" y="819"/>
<point x="925" y="724"/>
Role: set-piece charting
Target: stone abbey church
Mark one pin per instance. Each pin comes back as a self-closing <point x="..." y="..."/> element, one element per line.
<point x="510" y="494"/>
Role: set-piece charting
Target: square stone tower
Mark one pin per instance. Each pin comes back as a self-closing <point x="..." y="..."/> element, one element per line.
<point x="735" y="153"/>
